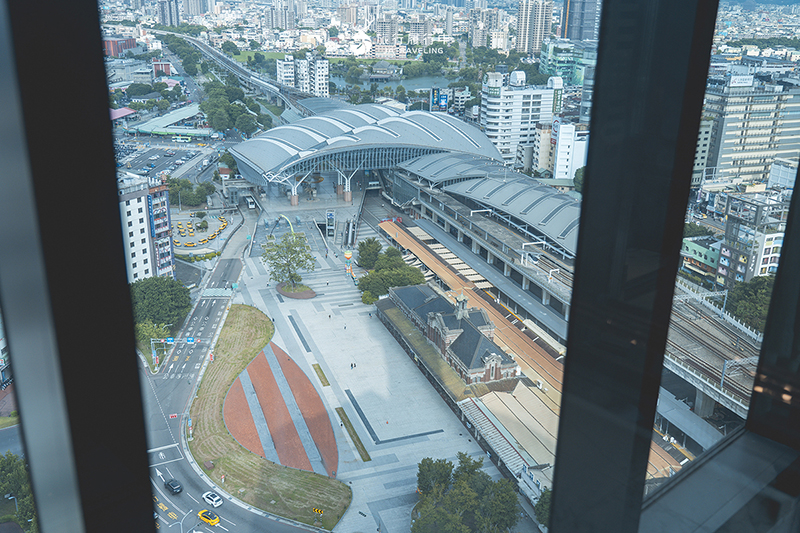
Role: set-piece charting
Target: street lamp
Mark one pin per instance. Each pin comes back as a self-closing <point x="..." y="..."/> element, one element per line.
<point x="16" y="505"/>
<point x="184" y="518"/>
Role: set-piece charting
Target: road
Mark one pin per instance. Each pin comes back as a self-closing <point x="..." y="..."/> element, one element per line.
<point x="167" y="396"/>
<point x="11" y="441"/>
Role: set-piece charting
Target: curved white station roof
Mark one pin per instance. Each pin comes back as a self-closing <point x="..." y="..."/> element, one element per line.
<point x="363" y="126"/>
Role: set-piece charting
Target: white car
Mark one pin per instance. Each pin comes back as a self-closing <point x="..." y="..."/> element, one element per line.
<point x="212" y="499"/>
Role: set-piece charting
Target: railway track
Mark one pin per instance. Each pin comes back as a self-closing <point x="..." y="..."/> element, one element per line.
<point x="733" y="384"/>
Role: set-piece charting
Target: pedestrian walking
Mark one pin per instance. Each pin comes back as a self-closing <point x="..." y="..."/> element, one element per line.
<point x="327" y="283"/>
<point x="345" y="326"/>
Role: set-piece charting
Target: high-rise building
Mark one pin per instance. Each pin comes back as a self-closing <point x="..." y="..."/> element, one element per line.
<point x="509" y="114"/>
<point x="572" y="143"/>
<point x="285" y="67"/>
<point x="754" y="123"/>
<point x="348" y="14"/>
<point x="581" y="19"/>
<point x="534" y="20"/>
<point x="567" y="59"/>
<point x="420" y="31"/>
<point x="168" y="13"/>
<point x="386" y="30"/>
<point x="481" y="22"/>
<point x="195" y="7"/>
<point x="144" y="206"/>
<point x="701" y="152"/>
<point x="319" y="74"/>
<point x="302" y="79"/>
<point x="587" y="94"/>
<point x="448" y="22"/>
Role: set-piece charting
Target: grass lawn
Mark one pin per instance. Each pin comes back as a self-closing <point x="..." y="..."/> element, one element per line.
<point x="244" y="54"/>
<point x="274" y="488"/>
<point x="275" y="110"/>
<point x="7" y="422"/>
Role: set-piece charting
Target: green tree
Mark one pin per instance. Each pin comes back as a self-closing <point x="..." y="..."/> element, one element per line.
<point x="230" y="48"/>
<point x="389" y="260"/>
<point x="578" y="179"/>
<point x="160" y="300"/>
<point x="190" y="68"/>
<point x="14" y="480"/>
<point x="695" y="230"/>
<point x="254" y="45"/>
<point x="542" y="508"/>
<point x="333" y="31"/>
<point x="219" y="119"/>
<point x="204" y="68"/>
<point x="368" y="251"/>
<point x="228" y="160"/>
<point x="147" y="330"/>
<point x="433" y="474"/>
<point x="749" y="301"/>
<point x="162" y="105"/>
<point x="200" y="214"/>
<point x="499" y="508"/>
<point x="286" y="257"/>
<point x="138" y="89"/>
<point x="467" y="467"/>
<point x="435" y="519"/>
<point x="246" y="124"/>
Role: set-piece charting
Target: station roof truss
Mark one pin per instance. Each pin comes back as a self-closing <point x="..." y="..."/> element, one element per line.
<point x="370" y="137"/>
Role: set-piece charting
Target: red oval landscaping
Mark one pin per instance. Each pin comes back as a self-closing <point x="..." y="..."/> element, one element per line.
<point x="239" y="419"/>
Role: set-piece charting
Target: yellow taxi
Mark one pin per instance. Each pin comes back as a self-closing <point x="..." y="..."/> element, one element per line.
<point x="203" y="241"/>
<point x="176" y="242"/>
<point x="180" y="224"/>
<point x="189" y="225"/>
<point x="208" y="517"/>
<point x="212" y="236"/>
<point x="183" y="233"/>
<point x="190" y="244"/>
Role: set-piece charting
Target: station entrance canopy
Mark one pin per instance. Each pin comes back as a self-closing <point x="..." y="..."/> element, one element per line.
<point x="364" y="137"/>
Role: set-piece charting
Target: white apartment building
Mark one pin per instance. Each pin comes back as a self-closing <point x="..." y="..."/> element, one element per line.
<point x="783" y="172"/>
<point x="572" y="142"/>
<point x="319" y="73"/>
<point x="509" y="114"/>
<point x="285" y="75"/>
<point x="534" y="20"/>
<point x="144" y="207"/>
<point x="302" y="78"/>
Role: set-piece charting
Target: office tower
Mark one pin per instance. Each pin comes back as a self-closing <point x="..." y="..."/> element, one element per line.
<point x="586" y="94"/>
<point x="581" y="20"/>
<point x="533" y="25"/>
<point x="509" y="114"/>
<point x="420" y="31"/>
<point x="567" y="59"/>
<point x="754" y="123"/>
<point x="168" y="13"/>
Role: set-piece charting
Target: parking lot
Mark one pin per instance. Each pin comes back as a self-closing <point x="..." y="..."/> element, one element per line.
<point x="187" y="237"/>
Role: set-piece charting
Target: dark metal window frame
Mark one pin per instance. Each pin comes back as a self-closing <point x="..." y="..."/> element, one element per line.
<point x="67" y="308"/>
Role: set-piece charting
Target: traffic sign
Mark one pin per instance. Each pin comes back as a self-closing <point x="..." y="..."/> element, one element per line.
<point x="173" y="415"/>
<point x="171" y="339"/>
<point x="190" y="340"/>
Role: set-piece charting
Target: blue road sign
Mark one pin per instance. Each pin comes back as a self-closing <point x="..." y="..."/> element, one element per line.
<point x="170" y="339"/>
<point x="190" y="340"/>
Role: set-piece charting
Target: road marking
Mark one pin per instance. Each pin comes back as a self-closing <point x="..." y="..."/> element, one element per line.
<point x="151" y="450"/>
<point x="161" y="455"/>
<point x="188" y="357"/>
<point x="162" y="507"/>
<point x="222" y="527"/>
<point x="197" y="366"/>
<point x="192" y="497"/>
<point x="228" y="521"/>
<point x="168" y="472"/>
<point x="172" y="515"/>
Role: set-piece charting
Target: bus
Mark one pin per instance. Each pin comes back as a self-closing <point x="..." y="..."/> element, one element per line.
<point x="250" y="203"/>
<point x="181" y="139"/>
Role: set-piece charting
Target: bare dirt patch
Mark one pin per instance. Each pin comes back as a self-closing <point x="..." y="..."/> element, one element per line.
<point x="251" y="478"/>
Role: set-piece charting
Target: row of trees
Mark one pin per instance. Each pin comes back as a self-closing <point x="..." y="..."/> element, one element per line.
<point x="14" y="480"/>
<point x="464" y="499"/>
<point x="189" y="55"/>
<point x="388" y="270"/>
<point x="182" y="192"/>
<point x="160" y="306"/>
